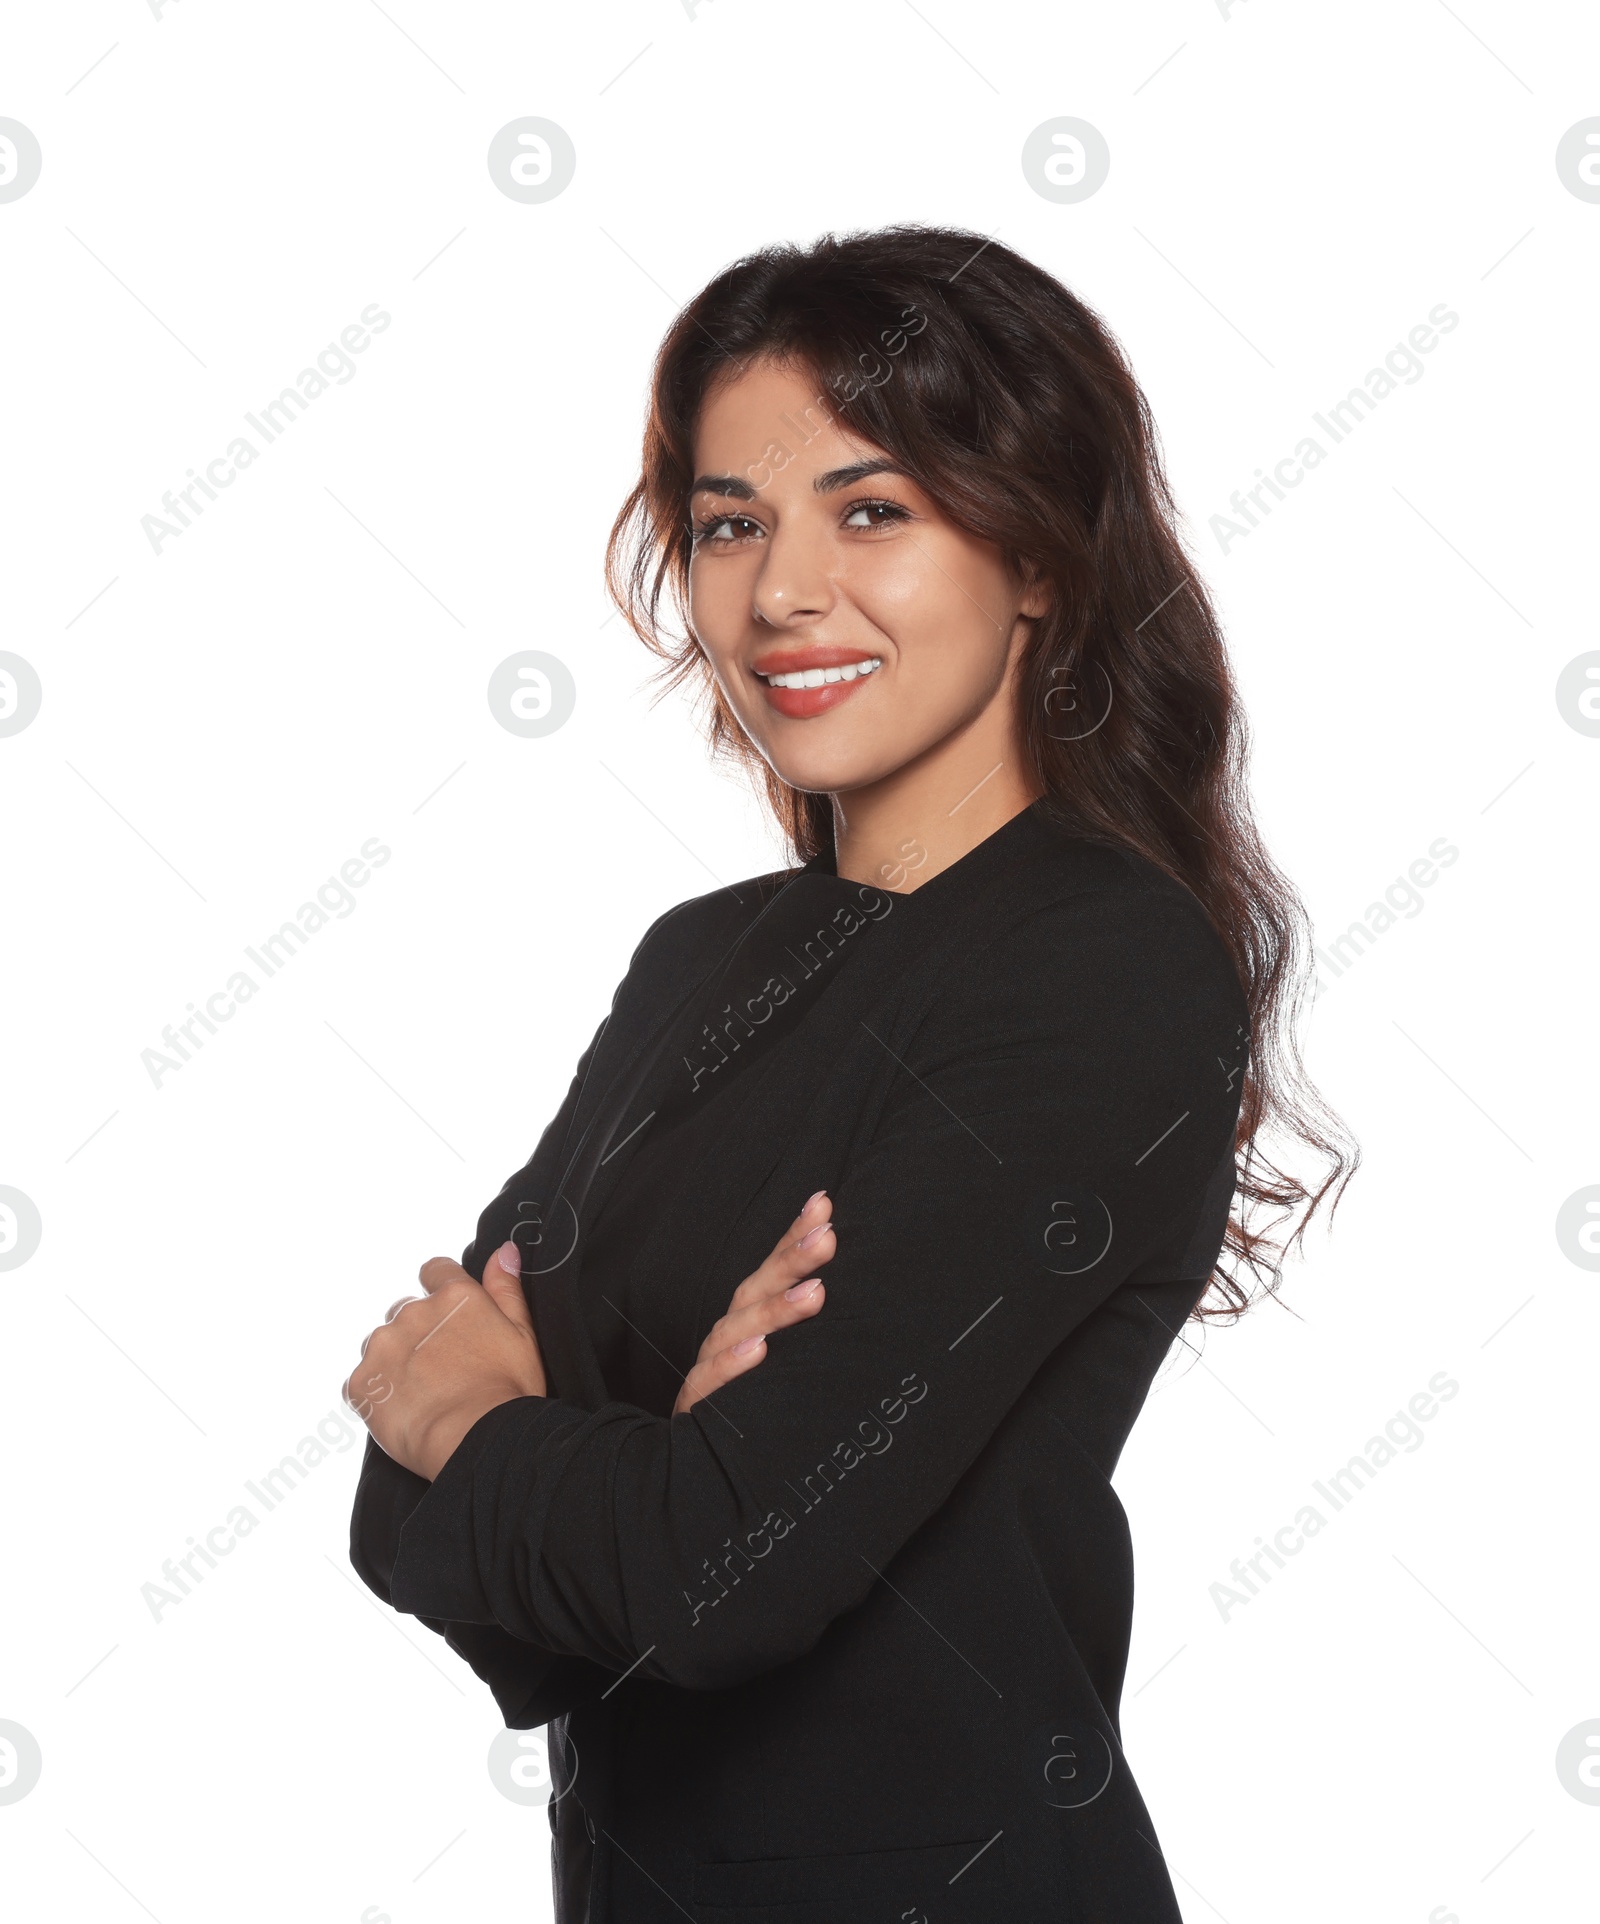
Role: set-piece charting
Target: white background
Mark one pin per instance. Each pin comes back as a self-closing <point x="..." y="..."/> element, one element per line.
<point x="225" y="722"/>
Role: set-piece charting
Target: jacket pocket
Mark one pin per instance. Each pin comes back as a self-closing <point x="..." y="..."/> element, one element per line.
<point x="939" y="1880"/>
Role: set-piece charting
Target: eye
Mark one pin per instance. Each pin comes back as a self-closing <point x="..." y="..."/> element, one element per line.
<point x="724" y="530"/>
<point x="875" y="514"/>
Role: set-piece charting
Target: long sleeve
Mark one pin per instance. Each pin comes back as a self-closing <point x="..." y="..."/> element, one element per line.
<point x="530" y="1684"/>
<point x="1051" y="1126"/>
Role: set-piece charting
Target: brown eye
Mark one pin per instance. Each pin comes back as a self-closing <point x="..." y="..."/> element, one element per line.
<point x="713" y="528"/>
<point x="874" y="514"/>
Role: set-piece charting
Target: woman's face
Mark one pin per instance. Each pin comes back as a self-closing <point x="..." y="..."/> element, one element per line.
<point x="814" y="559"/>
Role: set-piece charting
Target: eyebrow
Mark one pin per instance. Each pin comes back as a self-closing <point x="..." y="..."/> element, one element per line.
<point x="836" y="478"/>
<point x="729" y="484"/>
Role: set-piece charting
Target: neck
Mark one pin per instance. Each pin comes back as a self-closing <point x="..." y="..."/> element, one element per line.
<point x="902" y="831"/>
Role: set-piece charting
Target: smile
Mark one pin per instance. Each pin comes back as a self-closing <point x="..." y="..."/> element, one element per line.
<point x="820" y="677"/>
<point x="799" y="694"/>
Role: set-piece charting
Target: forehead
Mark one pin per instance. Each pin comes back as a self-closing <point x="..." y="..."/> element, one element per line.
<point x="772" y="404"/>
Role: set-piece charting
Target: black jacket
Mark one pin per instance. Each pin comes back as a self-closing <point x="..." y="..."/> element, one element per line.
<point x="869" y="1604"/>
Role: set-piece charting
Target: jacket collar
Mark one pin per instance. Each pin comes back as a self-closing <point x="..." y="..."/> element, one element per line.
<point x="853" y="1009"/>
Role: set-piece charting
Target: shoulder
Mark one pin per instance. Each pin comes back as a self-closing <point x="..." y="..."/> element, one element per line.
<point x="1089" y="1014"/>
<point x="1093" y="1003"/>
<point x="690" y="937"/>
<point x="1086" y="935"/>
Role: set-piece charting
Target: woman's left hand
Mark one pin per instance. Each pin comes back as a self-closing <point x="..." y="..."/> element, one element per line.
<point x="439" y="1362"/>
<point x="771" y="1298"/>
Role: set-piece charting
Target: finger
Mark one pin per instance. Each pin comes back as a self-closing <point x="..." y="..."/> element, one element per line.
<point x="502" y="1279"/>
<point x="740" y="1350"/>
<point x="382" y="1330"/>
<point x="818" y="1209"/>
<point x="714" y="1372"/>
<point x="397" y="1305"/>
<point x="810" y="1242"/>
<point x="763" y="1302"/>
<point x="365" y="1390"/>
<point x="761" y="1316"/>
<point x="810" y="1230"/>
<point x="438" y="1272"/>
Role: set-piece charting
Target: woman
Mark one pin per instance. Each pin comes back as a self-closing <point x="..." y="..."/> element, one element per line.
<point x="820" y="1580"/>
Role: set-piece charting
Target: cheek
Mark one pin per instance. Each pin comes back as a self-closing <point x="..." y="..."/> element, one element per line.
<point x="719" y="600"/>
<point x="934" y="601"/>
<point x="719" y="615"/>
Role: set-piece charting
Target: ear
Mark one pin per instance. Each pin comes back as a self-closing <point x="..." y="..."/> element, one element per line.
<point x="1036" y="598"/>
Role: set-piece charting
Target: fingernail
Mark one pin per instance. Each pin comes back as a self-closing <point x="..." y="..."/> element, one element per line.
<point x="749" y="1343"/>
<point x="811" y="1199"/>
<point x="509" y="1257"/>
<point x="812" y="1235"/>
<point x="798" y="1292"/>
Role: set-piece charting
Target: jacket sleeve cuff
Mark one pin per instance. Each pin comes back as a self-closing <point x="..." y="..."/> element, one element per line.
<point x="385" y="1496"/>
<point x="448" y="1542"/>
<point x="530" y="1686"/>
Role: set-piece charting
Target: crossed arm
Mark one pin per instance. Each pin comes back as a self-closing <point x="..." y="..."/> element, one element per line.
<point x="439" y="1362"/>
<point x="417" y="1405"/>
<point x="596" y="1538"/>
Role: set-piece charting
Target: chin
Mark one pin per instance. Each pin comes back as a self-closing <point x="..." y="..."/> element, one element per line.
<point x="835" y="770"/>
<point x="837" y="755"/>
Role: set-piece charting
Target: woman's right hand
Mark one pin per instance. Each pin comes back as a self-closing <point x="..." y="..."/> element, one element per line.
<point x="782" y="1291"/>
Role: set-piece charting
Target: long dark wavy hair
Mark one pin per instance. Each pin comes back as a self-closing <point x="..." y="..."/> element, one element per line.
<point x="1011" y="403"/>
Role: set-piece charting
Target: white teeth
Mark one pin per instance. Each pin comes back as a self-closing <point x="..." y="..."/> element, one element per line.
<point x="819" y="677"/>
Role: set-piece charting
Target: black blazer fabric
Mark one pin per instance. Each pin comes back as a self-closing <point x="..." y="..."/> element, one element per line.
<point x="846" y="1641"/>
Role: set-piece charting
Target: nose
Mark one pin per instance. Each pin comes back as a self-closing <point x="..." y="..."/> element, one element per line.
<point x="793" y="586"/>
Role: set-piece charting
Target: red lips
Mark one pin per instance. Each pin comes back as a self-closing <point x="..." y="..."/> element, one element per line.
<point x="800" y="704"/>
<point x="819" y="654"/>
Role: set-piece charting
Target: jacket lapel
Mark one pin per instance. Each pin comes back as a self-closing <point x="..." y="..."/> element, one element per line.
<point x="867" y="1016"/>
<point x="645" y="1067"/>
<point x="869" y="1005"/>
